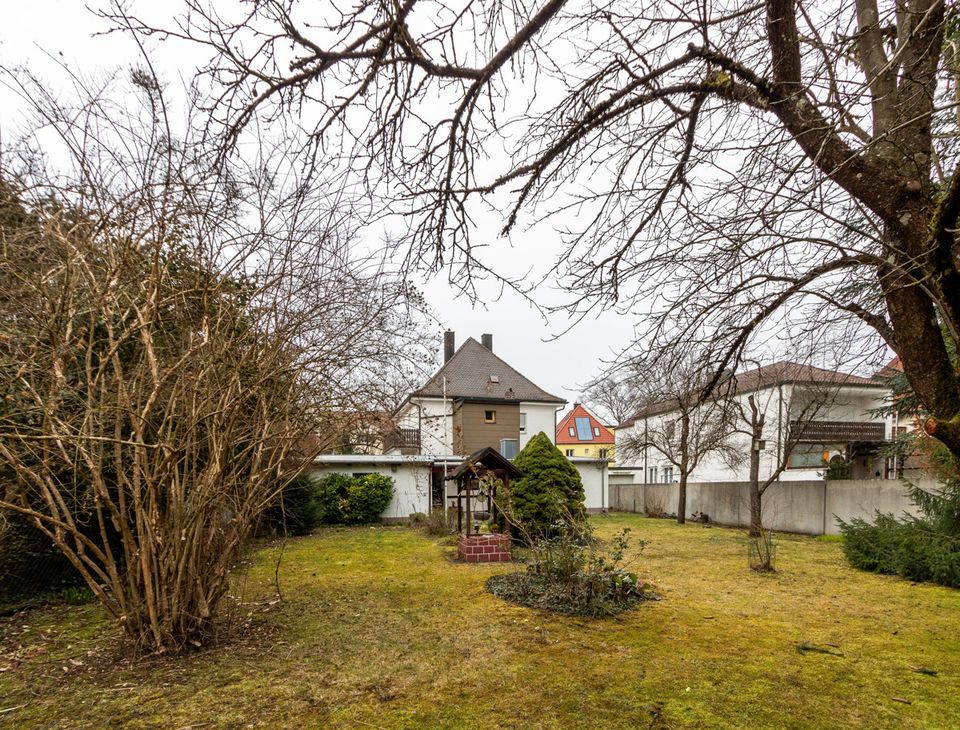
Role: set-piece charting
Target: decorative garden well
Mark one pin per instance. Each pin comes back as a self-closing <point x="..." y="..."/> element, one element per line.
<point x="477" y="480"/>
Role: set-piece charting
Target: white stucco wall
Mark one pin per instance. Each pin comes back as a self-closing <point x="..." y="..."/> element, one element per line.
<point x="411" y="479"/>
<point x="432" y="417"/>
<point x="594" y="473"/>
<point x="540" y="417"/>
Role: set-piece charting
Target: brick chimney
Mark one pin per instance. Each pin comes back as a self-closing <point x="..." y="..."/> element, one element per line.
<point x="449" y="345"/>
<point x="487" y="341"/>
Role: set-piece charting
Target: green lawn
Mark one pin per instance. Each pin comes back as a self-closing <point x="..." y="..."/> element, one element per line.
<point x="379" y="629"/>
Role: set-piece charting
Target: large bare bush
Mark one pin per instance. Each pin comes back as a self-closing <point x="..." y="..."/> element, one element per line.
<point x="171" y="335"/>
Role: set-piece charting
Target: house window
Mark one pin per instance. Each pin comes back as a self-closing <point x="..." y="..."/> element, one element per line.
<point x="569" y="452"/>
<point x="489" y="416"/>
<point x="523" y="423"/>
<point x="652" y="475"/>
<point x="604" y="453"/>
<point x="668" y="475"/>
<point x="596" y="431"/>
<point x="571" y="432"/>
<point x="508" y="448"/>
<point x="807" y="456"/>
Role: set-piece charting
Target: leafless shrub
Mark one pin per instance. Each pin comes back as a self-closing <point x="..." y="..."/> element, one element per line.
<point x="173" y="337"/>
<point x="654" y="504"/>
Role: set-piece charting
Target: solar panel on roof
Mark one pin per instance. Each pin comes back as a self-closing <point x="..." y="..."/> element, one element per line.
<point x="584" y="432"/>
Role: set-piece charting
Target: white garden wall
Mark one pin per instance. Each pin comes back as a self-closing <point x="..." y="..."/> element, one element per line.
<point x="811" y="507"/>
<point x="594" y="473"/>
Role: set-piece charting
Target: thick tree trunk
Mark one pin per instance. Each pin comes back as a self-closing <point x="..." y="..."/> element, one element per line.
<point x="922" y="348"/>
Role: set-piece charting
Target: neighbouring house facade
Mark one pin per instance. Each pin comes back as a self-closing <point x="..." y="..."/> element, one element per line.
<point x="822" y="420"/>
<point x="580" y="433"/>
<point x="474" y="400"/>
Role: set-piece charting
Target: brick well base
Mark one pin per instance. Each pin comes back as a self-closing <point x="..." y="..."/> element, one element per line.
<point x="484" y="548"/>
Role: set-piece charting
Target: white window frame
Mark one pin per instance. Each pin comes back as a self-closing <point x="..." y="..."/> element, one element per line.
<point x="523" y="423"/>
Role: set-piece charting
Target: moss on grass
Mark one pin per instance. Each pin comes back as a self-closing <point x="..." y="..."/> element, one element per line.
<point x="380" y="629"/>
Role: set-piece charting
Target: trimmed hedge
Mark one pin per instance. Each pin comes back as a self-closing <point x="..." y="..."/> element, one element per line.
<point x="367" y="497"/>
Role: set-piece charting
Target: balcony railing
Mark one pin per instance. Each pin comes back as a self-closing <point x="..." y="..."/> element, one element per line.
<point x="830" y="432"/>
<point x="407" y="440"/>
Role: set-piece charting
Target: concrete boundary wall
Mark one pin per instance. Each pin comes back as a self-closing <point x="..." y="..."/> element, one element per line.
<point x="811" y="507"/>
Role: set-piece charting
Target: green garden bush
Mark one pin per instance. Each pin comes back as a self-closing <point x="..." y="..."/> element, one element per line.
<point x="924" y="548"/>
<point x="549" y="493"/>
<point x="570" y="573"/>
<point x="334" y="499"/>
<point x="31" y="567"/>
<point x="332" y="492"/>
<point x="367" y="497"/>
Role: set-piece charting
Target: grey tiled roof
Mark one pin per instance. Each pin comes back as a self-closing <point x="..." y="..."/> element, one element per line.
<point x="468" y="376"/>
<point x="780" y="373"/>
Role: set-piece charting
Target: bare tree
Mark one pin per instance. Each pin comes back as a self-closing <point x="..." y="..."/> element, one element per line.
<point x="617" y="397"/>
<point x="751" y="420"/>
<point x="731" y="165"/>
<point x="679" y="422"/>
<point x="171" y="337"/>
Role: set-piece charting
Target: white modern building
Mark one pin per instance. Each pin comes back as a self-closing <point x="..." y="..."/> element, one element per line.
<point x="822" y="422"/>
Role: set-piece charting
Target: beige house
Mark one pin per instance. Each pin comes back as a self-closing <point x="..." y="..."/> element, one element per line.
<point x="475" y="400"/>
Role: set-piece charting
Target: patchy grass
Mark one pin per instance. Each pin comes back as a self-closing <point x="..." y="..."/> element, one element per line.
<point x="380" y="629"/>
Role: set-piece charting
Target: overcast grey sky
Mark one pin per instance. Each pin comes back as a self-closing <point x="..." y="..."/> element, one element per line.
<point x="43" y="33"/>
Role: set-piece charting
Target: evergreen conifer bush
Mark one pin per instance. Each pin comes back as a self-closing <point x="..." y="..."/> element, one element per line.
<point x="297" y="511"/>
<point x="924" y="548"/>
<point x="549" y="492"/>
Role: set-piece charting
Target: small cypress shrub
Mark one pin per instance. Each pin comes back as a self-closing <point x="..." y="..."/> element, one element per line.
<point x="298" y="510"/>
<point x="31" y="567"/>
<point x="549" y="493"/>
<point x="924" y="548"/>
